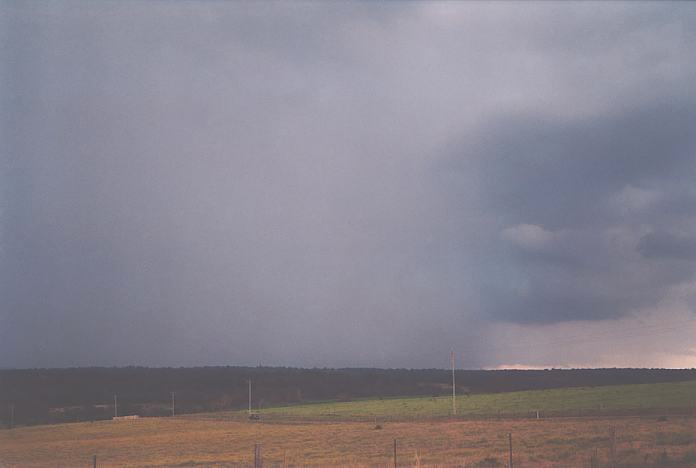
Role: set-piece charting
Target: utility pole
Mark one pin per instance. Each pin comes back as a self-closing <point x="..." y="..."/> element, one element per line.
<point x="454" y="388"/>
<point x="115" y="406"/>
<point x="172" y="403"/>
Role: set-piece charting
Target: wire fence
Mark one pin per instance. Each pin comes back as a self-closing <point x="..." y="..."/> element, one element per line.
<point x="610" y="450"/>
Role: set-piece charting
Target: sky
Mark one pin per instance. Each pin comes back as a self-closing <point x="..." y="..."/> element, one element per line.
<point x="347" y="184"/>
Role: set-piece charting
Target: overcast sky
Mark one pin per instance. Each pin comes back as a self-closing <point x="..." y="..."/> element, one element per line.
<point x="347" y="184"/>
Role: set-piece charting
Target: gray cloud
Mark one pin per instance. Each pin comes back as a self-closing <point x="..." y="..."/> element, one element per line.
<point x="344" y="184"/>
<point x="561" y="173"/>
<point x="570" y="216"/>
<point x="669" y="246"/>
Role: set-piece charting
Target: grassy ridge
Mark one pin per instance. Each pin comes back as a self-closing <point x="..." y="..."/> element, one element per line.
<point x="637" y="398"/>
<point x="49" y="396"/>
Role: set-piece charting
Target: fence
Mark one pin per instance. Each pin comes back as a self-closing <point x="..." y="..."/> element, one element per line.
<point x="401" y="453"/>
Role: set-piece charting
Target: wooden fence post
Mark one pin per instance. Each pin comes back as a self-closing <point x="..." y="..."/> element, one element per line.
<point x="394" y="453"/>
<point x="612" y="447"/>
<point x="258" y="460"/>
<point x="510" y="446"/>
<point x="594" y="460"/>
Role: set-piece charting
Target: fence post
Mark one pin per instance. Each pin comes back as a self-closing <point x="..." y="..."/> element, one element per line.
<point x="11" y="410"/>
<point x="258" y="460"/>
<point x="594" y="460"/>
<point x="612" y="447"/>
<point x="510" y="446"/>
<point x="94" y="461"/>
<point x="394" y="453"/>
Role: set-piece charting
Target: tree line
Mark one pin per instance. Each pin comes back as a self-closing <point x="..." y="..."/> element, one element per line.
<point x="40" y="396"/>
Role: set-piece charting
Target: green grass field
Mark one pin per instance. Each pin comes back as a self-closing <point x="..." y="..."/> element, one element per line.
<point x="619" y="399"/>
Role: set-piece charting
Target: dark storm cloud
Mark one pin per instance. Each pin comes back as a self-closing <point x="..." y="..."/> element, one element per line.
<point x="561" y="173"/>
<point x="335" y="184"/>
<point x="666" y="245"/>
<point x="561" y="189"/>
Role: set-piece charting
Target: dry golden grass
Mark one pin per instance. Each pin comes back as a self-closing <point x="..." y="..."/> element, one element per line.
<point x="190" y="441"/>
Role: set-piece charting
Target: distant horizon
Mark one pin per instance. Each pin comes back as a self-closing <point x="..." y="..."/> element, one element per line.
<point x="512" y="368"/>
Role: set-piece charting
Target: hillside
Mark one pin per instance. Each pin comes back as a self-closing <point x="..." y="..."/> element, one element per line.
<point x="44" y="396"/>
<point x="661" y="398"/>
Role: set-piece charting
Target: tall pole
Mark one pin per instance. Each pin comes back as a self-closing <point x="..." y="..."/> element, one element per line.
<point x="115" y="406"/>
<point x="172" y="403"/>
<point x="454" y="388"/>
